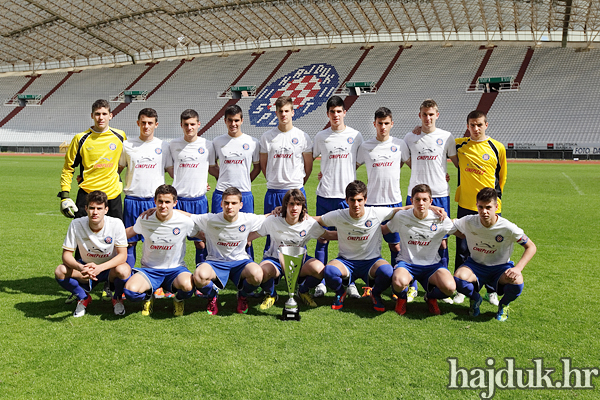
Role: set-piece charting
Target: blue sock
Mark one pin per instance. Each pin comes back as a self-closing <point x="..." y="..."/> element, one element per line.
<point x="394" y="256"/>
<point x="201" y="255"/>
<point x="72" y="285"/>
<point x="209" y="290"/>
<point x="182" y="295"/>
<point x="250" y="251"/>
<point x="402" y="294"/>
<point x="383" y="279"/>
<point x="120" y="286"/>
<point x="131" y="256"/>
<point x="247" y="288"/>
<point x="333" y="279"/>
<point x="269" y="286"/>
<point x="309" y="283"/>
<point x="511" y="292"/>
<point x="464" y="287"/>
<point x="134" y="296"/>
<point x="414" y="285"/>
<point x="321" y="252"/>
<point x="436" y="293"/>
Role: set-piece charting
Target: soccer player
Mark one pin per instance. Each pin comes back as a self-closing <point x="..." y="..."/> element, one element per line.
<point x="490" y="239"/>
<point x="145" y="158"/>
<point x="421" y="233"/>
<point x="285" y="157"/>
<point x="226" y="237"/>
<point x="338" y="147"/>
<point x="190" y="157"/>
<point x="291" y="228"/>
<point x="163" y="254"/>
<point x="239" y="162"/>
<point x="102" y="244"/>
<point x="96" y="152"/>
<point x="481" y="163"/>
<point x="359" y="238"/>
<point x="383" y="157"/>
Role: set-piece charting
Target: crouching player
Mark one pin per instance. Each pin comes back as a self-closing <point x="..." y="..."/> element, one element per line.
<point x="291" y="228"/>
<point x="490" y="239"/>
<point x="226" y="236"/>
<point x="421" y="234"/>
<point x="162" y="263"/>
<point x="102" y="245"/>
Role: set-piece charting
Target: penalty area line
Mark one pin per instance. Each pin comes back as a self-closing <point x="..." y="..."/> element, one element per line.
<point x="574" y="185"/>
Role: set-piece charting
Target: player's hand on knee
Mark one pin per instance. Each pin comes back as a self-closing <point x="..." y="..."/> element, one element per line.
<point x="512" y="274"/>
<point x="68" y="208"/>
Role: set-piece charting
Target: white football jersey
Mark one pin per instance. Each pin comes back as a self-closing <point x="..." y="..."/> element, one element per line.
<point x="164" y="242"/>
<point x="190" y="163"/>
<point x="284" y="234"/>
<point x="420" y="239"/>
<point x="96" y="247"/>
<point x="338" y="160"/>
<point x="383" y="160"/>
<point x="145" y="162"/>
<point x="236" y="158"/>
<point x="226" y="241"/>
<point x="285" y="163"/>
<point x="359" y="239"/>
<point x="493" y="245"/>
<point x="428" y="160"/>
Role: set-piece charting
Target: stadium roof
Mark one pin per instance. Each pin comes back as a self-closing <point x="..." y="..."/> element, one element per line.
<point x="48" y="34"/>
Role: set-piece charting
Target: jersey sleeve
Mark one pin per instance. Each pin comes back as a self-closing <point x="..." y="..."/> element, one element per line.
<point x="70" y="242"/>
<point x="264" y="146"/>
<point x="394" y="223"/>
<point x="167" y="158"/>
<point x="405" y="151"/>
<point x="330" y="218"/>
<point x="308" y="144"/>
<point x="120" y="235"/>
<point x="66" y="176"/>
<point x="448" y="225"/>
<point x="316" y="230"/>
<point x="358" y="141"/>
<point x="317" y="147"/>
<point x="360" y="156"/>
<point x="257" y="222"/>
<point x="450" y="146"/>
<point x="460" y="224"/>
<point x="123" y="158"/>
<point x="503" y="165"/>
<point x="256" y="152"/>
<point x="518" y="235"/>
<point x="137" y="227"/>
<point x="212" y="156"/>
<point x="384" y="213"/>
<point x="265" y="227"/>
<point x="199" y="221"/>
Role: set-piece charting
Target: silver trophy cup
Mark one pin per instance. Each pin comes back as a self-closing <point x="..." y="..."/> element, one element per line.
<point x="291" y="259"/>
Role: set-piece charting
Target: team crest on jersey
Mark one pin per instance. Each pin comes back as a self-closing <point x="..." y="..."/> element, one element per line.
<point x="242" y="228"/>
<point x="433" y="227"/>
<point x="310" y="86"/>
<point x="439" y="142"/>
<point x="176" y="231"/>
<point x="394" y="149"/>
<point x="201" y="150"/>
<point x="499" y="238"/>
<point x="245" y="146"/>
<point x="158" y="150"/>
<point x="112" y="146"/>
<point x="108" y="240"/>
<point x="369" y="223"/>
<point x="485" y="157"/>
<point x="350" y="140"/>
<point x="294" y="140"/>
<point x="303" y="233"/>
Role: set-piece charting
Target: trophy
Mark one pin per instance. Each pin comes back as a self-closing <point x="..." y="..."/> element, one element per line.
<point x="291" y="259"/>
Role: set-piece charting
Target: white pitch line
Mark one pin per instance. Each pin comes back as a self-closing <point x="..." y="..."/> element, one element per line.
<point x="574" y="185"/>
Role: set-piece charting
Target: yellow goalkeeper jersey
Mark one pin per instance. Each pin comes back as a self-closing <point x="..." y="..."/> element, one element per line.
<point x="480" y="164"/>
<point x="97" y="156"/>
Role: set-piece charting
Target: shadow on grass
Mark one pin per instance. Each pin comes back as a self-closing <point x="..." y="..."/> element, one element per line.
<point x="41" y="285"/>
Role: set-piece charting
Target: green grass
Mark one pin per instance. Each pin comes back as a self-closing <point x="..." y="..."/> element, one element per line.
<point x="353" y="354"/>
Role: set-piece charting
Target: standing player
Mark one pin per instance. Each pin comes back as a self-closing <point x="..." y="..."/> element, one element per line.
<point x="338" y="147"/>
<point x="481" y="163"/>
<point x="163" y="254"/>
<point x="239" y="162"/>
<point x="145" y="158"/>
<point x="190" y="157"/>
<point x="102" y="244"/>
<point x="285" y="157"/>
<point x="490" y="239"/>
<point x="226" y="237"/>
<point x="421" y="232"/>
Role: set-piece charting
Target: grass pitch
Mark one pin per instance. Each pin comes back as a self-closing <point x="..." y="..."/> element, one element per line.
<point x="352" y="354"/>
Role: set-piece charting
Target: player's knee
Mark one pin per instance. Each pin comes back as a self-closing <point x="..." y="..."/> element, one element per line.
<point x="123" y="271"/>
<point x="133" y="295"/>
<point x="385" y="270"/>
<point x="462" y="273"/>
<point x="61" y="272"/>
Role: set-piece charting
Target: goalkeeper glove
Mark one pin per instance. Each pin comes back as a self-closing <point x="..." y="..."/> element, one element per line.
<point x="67" y="206"/>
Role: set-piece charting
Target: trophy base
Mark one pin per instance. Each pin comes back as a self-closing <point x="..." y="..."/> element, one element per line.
<point x="290" y="315"/>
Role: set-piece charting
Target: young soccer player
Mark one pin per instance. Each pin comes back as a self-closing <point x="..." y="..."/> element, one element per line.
<point x="102" y="244"/>
<point x="490" y="239"/>
<point x="190" y="157"/>
<point x="285" y="157"/>
<point x="481" y="163"/>
<point x="145" y="158"/>
<point x="338" y="147"/>
<point x="421" y="233"/>
<point x="96" y="152"/>
<point x="163" y="254"/>
<point x="226" y="237"/>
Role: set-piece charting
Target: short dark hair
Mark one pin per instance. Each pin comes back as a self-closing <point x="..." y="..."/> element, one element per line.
<point x="233" y="110"/>
<point x="101" y="103"/>
<point x="355" y="188"/>
<point x="187" y="114"/>
<point x="296" y="196"/>
<point x="284" y="101"/>
<point x="383" y="112"/>
<point x="487" y="194"/>
<point x="421" y="188"/>
<point x="429" y="103"/>
<point x="98" y="197"/>
<point x="165" y="189"/>
<point x="231" y="191"/>
<point x="335" y="101"/>
<point x="148" y="112"/>
<point x="476" y="115"/>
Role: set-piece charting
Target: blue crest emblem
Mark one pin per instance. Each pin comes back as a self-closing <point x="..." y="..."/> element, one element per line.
<point x="176" y="231"/>
<point x="369" y="223"/>
<point x="108" y="240"/>
<point x="394" y="149"/>
<point x="158" y="150"/>
<point x="350" y="140"/>
<point x="310" y="86"/>
<point x="303" y="233"/>
<point x="112" y="146"/>
<point x="295" y="141"/>
<point x="242" y="228"/>
<point x="499" y="238"/>
<point x="201" y="150"/>
<point x="245" y="146"/>
<point x="433" y="227"/>
<point x="486" y="157"/>
<point x="439" y="142"/>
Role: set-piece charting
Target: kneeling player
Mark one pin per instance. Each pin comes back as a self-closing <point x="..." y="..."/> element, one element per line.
<point x="102" y="244"/>
<point x="226" y="236"/>
<point x="421" y="233"/>
<point x="163" y="253"/>
<point x="490" y="239"/>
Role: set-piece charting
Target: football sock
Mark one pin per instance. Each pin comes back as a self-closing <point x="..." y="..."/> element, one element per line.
<point x="394" y="256"/>
<point x="309" y="283"/>
<point x="269" y="286"/>
<point x="333" y="279"/>
<point x="119" y="286"/>
<point x="72" y="285"/>
<point x="134" y="296"/>
<point x="247" y="288"/>
<point x="402" y="294"/>
<point x="209" y="290"/>
<point x="131" y="255"/>
<point x="383" y="279"/>
<point x="414" y="285"/>
<point x="200" y="255"/>
<point x="511" y="292"/>
<point x="436" y="293"/>
<point x="321" y="252"/>
<point x="182" y="295"/>
<point x="466" y="288"/>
